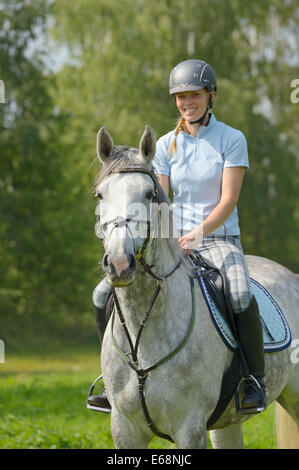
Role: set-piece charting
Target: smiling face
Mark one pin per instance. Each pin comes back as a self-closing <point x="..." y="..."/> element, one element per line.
<point x="192" y="104"/>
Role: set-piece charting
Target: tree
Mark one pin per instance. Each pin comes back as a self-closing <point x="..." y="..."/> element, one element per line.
<point x="123" y="53"/>
<point x="118" y="56"/>
<point x="45" y="228"/>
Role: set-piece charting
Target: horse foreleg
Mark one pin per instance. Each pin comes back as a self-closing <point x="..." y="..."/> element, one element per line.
<point x="192" y="433"/>
<point x="126" y="435"/>
<point x="227" y="438"/>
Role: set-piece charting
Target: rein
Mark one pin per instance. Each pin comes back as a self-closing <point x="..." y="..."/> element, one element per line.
<point x="134" y="362"/>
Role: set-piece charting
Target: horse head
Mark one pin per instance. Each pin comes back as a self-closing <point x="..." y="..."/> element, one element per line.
<point x="125" y="187"/>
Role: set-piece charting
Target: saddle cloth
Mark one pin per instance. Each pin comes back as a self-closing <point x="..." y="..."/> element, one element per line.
<point x="276" y="332"/>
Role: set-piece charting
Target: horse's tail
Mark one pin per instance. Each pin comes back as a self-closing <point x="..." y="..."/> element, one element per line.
<point x="287" y="430"/>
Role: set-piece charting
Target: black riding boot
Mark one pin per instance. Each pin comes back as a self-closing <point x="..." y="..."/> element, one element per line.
<point x="250" y="334"/>
<point x="102" y="314"/>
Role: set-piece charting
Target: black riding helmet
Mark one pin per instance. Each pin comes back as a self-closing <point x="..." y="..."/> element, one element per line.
<point x="193" y="75"/>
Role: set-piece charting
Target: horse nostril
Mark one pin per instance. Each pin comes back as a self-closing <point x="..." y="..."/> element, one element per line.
<point x="105" y="262"/>
<point x="118" y="264"/>
<point x="132" y="261"/>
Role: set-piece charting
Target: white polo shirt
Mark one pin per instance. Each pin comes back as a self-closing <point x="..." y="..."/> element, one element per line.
<point x="195" y="172"/>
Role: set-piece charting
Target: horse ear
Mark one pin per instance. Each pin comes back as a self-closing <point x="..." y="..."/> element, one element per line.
<point x="104" y="144"/>
<point x="147" y="146"/>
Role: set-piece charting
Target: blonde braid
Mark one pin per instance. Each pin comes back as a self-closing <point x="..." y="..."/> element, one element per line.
<point x="181" y="126"/>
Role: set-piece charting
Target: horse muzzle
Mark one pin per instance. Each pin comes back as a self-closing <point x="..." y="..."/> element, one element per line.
<point x="120" y="268"/>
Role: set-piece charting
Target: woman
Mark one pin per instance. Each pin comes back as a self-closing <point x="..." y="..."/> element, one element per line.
<point x="204" y="161"/>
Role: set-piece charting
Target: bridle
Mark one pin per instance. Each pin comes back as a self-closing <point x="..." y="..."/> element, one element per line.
<point x="133" y="362"/>
<point x="120" y="221"/>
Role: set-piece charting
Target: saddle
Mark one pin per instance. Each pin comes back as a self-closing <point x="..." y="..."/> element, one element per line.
<point x="216" y="285"/>
<point x="212" y="281"/>
<point x="276" y="332"/>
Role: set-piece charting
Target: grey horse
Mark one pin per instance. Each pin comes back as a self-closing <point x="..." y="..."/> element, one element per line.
<point x="183" y="391"/>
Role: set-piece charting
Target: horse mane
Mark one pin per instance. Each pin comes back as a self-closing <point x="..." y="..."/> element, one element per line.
<point x="124" y="157"/>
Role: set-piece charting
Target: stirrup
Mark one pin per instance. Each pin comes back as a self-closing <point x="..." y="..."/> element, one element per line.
<point x="91" y="407"/>
<point x="260" y="390"/>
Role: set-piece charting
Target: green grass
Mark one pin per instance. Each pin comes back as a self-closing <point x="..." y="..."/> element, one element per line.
<point x="43" y="406"/>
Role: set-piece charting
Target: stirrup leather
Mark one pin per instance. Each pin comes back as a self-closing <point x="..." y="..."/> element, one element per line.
<point x="259" y="390"/>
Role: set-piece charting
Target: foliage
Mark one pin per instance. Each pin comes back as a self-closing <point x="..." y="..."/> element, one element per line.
<point x="124" y="52"/>
<point x="115" y="59"/>
<point x="46" y="265"/>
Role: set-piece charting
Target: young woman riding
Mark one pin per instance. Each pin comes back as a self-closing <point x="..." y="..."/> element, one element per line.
<point x="203" y="161"/>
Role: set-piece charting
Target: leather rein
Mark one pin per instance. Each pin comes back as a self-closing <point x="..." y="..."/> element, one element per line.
<point x="133" y="362"/>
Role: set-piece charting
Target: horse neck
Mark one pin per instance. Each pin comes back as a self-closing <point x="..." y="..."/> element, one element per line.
<point x="163" y="256"/>
<point x="171" y="313"/>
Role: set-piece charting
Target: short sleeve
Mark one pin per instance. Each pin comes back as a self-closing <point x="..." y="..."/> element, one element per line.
<point x="161" y="160"/>
<point x="236" y="153"/>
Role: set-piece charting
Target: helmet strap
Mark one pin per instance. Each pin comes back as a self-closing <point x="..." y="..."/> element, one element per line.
<point x="202" y="118"/>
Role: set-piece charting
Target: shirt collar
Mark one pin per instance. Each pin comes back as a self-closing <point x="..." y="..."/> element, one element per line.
<point x="205" y="129"/>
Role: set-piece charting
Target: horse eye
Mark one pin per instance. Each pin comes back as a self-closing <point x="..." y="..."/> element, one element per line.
<point x="99" y="195"/>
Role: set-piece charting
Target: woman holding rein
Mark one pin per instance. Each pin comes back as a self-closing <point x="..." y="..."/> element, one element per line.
<point x="204" y="161"/>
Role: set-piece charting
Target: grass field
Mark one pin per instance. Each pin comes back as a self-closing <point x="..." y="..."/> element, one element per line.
<point x="42" y="406"/>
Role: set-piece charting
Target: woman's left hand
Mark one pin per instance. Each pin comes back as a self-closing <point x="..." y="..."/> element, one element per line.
<point x="191" y="240"/>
